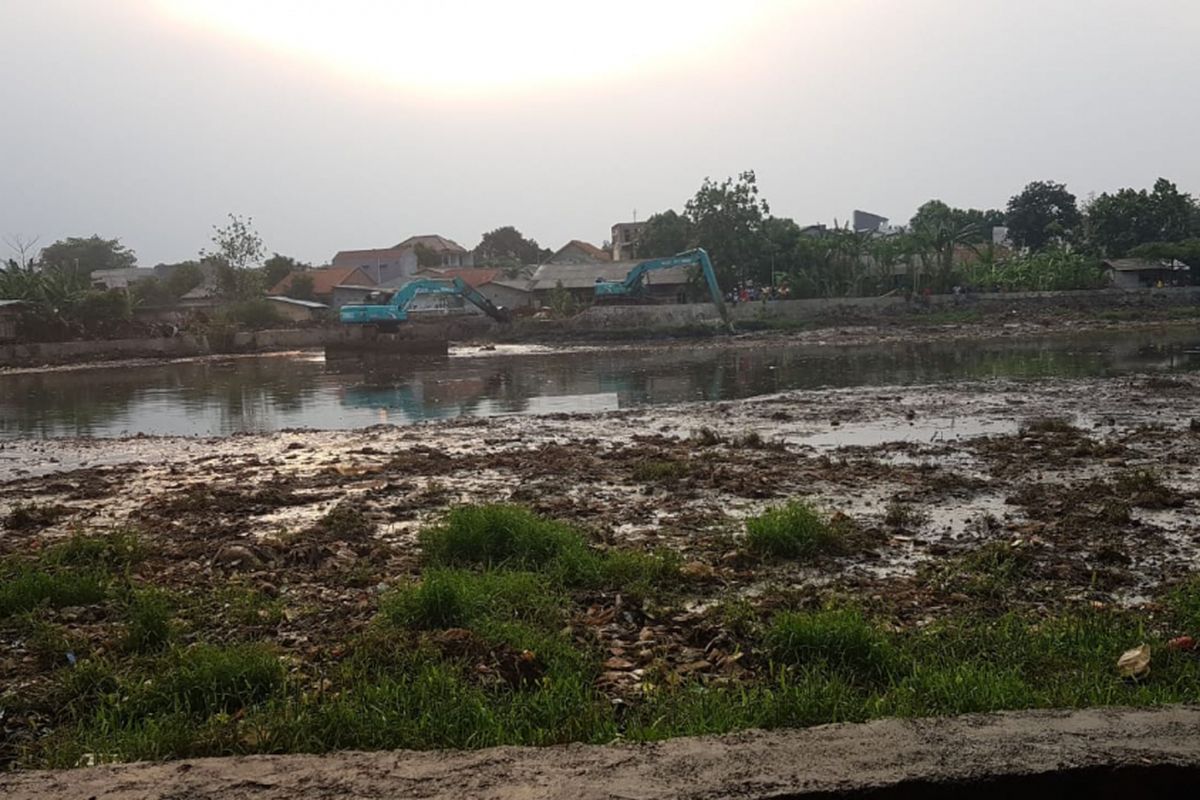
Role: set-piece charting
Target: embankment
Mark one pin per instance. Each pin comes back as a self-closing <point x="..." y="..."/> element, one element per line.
<point x="632" y="322"/>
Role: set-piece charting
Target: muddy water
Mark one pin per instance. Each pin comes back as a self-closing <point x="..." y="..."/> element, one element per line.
<point x="220" y="397"/>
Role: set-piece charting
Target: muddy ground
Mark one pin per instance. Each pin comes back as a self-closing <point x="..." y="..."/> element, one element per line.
<point x="1094" y="479"/>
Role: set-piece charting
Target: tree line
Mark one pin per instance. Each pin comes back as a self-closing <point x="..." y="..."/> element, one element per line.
<point x="1057" y="243"/>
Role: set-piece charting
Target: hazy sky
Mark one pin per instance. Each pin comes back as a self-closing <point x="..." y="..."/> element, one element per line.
<point x="355" y="123"/>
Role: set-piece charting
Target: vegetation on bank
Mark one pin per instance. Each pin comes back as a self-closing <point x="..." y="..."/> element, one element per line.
<point x="491" y="643"/>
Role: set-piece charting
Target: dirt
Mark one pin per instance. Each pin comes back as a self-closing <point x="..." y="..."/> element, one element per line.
<point x="1110" y="753"/>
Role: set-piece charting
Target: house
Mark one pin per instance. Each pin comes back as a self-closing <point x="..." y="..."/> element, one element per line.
<point x="579" y="252"/>
<point x="386" y="264"/>
<point x="511" y="293"/>
<point x="120" y="278"/>
<point x="10" y="314"/>
<point x="298" y="310"/>
<point x="1137" y="273"/>
<point x="449" y="252"/>
<point x="205" y="297"/>
<point x="324" y="280"/>
<point x="664" y="285"/>
<point x="389" y="264"/>
<point x="624" y="238"/>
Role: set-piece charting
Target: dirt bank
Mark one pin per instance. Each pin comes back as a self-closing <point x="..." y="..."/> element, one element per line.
<point x="1082" y="753"/>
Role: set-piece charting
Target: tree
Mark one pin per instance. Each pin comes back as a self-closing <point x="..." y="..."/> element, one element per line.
<point x="1044" y="212"/>
<point x="664" y="234"/>
<point x="980" y="223"/>
<point x="238" y="249"/>
<point x="727" y="221"/>
<point x="237" y="244"/>
<point x="507" y="247"/>
<point x="1117" y="223"/>
<point x="87" y="255"/>
<point x="302" y="287"/>
<point x="278" y="267"/>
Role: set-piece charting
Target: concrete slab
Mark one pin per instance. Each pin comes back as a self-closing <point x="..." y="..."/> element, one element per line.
<point x="1097" y="753"/>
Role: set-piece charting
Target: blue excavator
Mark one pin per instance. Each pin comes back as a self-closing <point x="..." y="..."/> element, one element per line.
<point x="389" y="315"/>
<point x="633" y="287"/>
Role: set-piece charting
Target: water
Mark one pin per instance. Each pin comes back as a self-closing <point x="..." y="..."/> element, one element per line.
<point x="219" y="397"/>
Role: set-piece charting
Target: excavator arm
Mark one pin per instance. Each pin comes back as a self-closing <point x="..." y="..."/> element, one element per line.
<point x="396" y="309"/>
<point x="633" y="283"/>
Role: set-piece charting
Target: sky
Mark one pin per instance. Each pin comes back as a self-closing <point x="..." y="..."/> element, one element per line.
<point x="344" y="124"/>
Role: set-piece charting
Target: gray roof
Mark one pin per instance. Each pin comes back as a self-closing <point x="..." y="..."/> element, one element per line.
<point x="582" y="276"/>
<point x="1142" y="265"/>
<point x="293" y="301"/>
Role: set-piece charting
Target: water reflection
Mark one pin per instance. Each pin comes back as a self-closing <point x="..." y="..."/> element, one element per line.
<point x="270" y="393"/>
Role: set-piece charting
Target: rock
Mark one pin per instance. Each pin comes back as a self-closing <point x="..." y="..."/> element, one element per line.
<point x="237" y="556"/>
<point x="697" y="570"/>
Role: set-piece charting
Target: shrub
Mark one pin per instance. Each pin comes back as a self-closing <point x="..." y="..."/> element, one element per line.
<point x="28" y="589"/>
<point x="838" y="638"/>
<point x="794" y="530"/>
<point x="499" y="535"/>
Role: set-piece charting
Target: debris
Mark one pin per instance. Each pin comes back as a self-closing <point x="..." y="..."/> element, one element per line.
<point x="1182" y="644"/>
<point x="1135" y="663"/>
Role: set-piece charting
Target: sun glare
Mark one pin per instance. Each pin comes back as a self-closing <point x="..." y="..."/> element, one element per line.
<point x="478" y="44"/>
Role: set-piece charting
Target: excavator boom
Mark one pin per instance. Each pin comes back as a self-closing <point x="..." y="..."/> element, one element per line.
<point x="632" y="285"/>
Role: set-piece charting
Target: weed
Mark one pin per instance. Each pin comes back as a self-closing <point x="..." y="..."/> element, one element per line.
<point x="498" y="535"/>
<point x="247" y="606"/>
<point x="114" y="551"/>
<point x="346" y="521"/>
<point x="207" y="679"/>
<point x="794" y="530"/>
<point x="454" y="598"/>
<point x="659" y="471"/>
<point x="33" y="516"/>
<point x="1146" y="489"/>
<point x="901" y="516"/>
<point x="50" y="644"/>
<point x="840" y="639"/>
<point x="28" y="589"/>
<point x="148" y="621"/>
<point x="991" y="571"/>
<point x="1047" y="425"/>
<point x="706" y="437"/>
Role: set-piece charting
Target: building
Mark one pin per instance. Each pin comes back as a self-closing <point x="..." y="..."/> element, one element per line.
<point x="866" y="222"/>
<point x="511" y="293"/>
<point x="1137" y="273"/>
<point x="390" y="264"/>
<point x="624" y="240"/>
<point x="324" y="281"/>
<point x="299" y="310"/>
<point x="664" y="285"/>
<point x="579" y="252"/>
<point x="120" y="278"/>
<point x="449" y="252"/>
<point x="10" y="315"/>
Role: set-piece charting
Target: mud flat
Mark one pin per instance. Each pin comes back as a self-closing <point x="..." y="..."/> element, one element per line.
<point x="784" y="561"/>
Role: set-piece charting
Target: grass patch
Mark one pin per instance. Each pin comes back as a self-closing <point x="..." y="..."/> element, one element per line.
<point x="838" y="639"/>
<point x="794" y="530"/>
<point x="455" y="598"/>
<point x="27" y="589"/>
<point x="148" y="624"/>
<point x="33" y="516"/>
<point x="706" y="437"/>
<point x="114" y="551"/>
<point x="1145" y="488"/>
<point x="512" y="537"/>
<point x="660" y="471"/>
<point x="990" y="572"/>
<point x="346" y="521"/>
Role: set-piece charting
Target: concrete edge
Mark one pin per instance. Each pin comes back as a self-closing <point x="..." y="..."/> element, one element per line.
<point x="828" y="759"/>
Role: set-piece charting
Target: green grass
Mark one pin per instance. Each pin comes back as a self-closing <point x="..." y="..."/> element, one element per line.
<point x="33" y="516"/>
<point x="114" y="551"/>
<point x="27" y="589"/>
<point x="839" y="639"/>
<point x="794" y="530"/>
<point x="512" y="537"/>
<point x="659" y="471"/>
<point x="148" y="625"/>
<point x="456" y="598"/>
<point x="990" y="572"/>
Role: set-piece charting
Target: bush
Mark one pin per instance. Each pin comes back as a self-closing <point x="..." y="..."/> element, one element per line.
<point x="254" y="314"/>
<point x="28" y="589"/>
<point x="840" y="639"/>
<point x="794" y="530"/>
<point x="499" y="535"/>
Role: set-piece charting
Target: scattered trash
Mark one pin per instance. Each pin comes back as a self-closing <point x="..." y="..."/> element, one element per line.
<point x="1182" y="644"/>
<point x="1135" y="663"/>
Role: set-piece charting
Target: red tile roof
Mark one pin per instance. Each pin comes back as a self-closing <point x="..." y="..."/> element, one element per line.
<point x="474" y="276"/>
<point x="587" y="247"/>
<point x="325" y="279"/>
